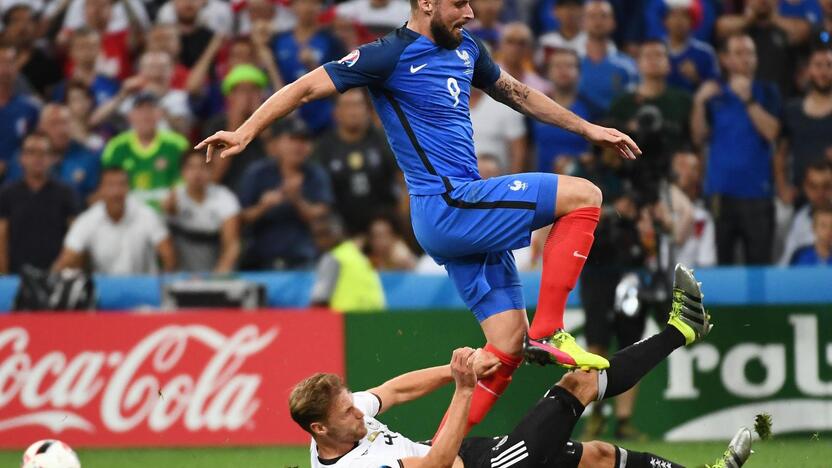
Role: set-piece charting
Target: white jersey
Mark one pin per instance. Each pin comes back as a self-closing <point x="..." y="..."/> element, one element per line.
<point x="379" y="448"/>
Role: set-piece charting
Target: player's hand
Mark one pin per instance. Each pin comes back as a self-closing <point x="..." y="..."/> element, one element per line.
<point x="462" y="368"/>
<point x="226" y="143"/>
<point x="612" y="138"/>
<point x="483" y="363"/>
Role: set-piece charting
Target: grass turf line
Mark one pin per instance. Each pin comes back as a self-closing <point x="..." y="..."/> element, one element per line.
<point x="777" y="453"/>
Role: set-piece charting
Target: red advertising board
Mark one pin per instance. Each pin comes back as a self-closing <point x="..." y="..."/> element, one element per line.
<point x="185" y="379"/>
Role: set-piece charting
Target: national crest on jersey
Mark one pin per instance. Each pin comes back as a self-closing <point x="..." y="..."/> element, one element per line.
<point x="421" y="92"/>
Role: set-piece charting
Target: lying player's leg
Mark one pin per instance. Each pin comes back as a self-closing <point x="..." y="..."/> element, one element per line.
<point x="597" y="454"/>
<point x="575" y="212"/>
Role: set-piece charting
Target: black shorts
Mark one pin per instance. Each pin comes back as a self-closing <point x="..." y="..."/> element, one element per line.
<point x="500" y="452"/>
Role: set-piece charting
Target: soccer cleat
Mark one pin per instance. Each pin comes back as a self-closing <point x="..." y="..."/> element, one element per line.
<point x="739" y="449"/>
<point x="561" y="349"/>
<point x="687" y="313"/>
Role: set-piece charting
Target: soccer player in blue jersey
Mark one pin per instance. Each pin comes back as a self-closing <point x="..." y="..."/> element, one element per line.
<point x="420" y="77"/>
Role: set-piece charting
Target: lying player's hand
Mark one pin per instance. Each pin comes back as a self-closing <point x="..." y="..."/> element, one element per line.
<point x="612" y="138"/>
<point x="462" y="368"/>
<point x="484" y="363"/>
<point x="227" y="143"/>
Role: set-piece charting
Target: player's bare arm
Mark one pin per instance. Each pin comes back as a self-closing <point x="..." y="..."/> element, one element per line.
<point x="414" y="385"/>
<point x="314" y="85"/>
<point x="533" y="103"/>
<point x="443" y="453"/>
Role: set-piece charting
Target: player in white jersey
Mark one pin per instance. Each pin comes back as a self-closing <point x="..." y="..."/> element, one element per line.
<point x="346" y="434"/>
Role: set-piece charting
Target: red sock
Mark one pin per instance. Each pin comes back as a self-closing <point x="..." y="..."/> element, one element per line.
<point x="488" y="390"/>
<point x="564" y="255"/>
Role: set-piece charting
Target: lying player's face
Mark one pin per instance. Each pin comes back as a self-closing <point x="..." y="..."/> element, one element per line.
<point x="345" y="422"/>
<point x="448" y="18"/>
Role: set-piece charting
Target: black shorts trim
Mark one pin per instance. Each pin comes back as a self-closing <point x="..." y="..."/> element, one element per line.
<point x="450" y="201"/>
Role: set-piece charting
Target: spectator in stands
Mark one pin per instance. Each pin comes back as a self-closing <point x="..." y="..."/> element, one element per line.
<point x="365" y="179"/>
<point x="84" y="54"/>
<point x="817" y="190"/>
<point x="279" y="17"/>
<point x="820" y="252"/>
<point x="498" y="130"/>
<point x="81" y="103"/>
<point x="569" y="34"/>
<point x="605" y="72"/>
<point x="737" y="120"/>
<point x="35" y="211"/>
<point x="775" y="37"/>
<point x="155" y="77"/>
<point x="822" y="32"/>
<point x="385" y="247"/>
<point x="118" y="235"/>
<point x="692" y="61"/>
<point x="806" y="135"/>
<point x="243" y="88"/>
<point x="150" y="156"/>
<point x="194" y="37"/>
<point x="280" y="195"/>
<point x="204" y="219"/>
<point x="215" y="15"/>
<point x="378" y="16"/>
<point x="486" y="24"/>
<point x="558" y="150"/>
<point x="693" y="224"/>
<point x="165" y="38"/>
<point x="345" y="281"/>
<point x="657" y="116"/>
<point x="37" y="64"/>
<point x="118" y="39"/>
<point x="515" y="55"/>
<point x="75" y="165"/>
<point x="303" y="49"/>
<point x="703" y="15"/>
<point x="18" y="112"/>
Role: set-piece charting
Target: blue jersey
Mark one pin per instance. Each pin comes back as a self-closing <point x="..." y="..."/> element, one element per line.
<point x="698" y="55"/>
<point x="420" y="91"/>
<point x="17" y="118"/>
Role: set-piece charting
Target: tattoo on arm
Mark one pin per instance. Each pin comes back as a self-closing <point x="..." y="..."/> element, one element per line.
<point x="510" y="92"/>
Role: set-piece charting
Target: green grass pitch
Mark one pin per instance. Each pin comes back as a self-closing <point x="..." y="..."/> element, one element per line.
<point x="777" y="453"/>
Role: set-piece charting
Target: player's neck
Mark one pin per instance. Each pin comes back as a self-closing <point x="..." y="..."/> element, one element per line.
<point x="420" y="24"/>
<point x="329" y="449"/>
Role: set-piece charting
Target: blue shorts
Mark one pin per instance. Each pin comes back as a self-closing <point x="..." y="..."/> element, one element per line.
<point x="473" y="228"/>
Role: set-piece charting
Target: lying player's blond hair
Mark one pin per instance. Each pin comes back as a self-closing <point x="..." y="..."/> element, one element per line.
<point x="311" y="398"/>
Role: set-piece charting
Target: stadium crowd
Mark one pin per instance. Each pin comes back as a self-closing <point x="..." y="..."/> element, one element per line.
<point x="102" y="100"/>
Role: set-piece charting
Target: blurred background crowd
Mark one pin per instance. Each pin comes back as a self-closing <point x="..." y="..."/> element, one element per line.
<point x="101" y="102"/>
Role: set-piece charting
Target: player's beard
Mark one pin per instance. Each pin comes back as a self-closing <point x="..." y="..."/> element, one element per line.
<point x="443" y="36"/>
<point x="824" y="90"/>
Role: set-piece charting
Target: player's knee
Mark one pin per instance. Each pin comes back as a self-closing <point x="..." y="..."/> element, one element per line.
<point x="582" y="385"/>
<point x="597" y="453"/>
<point x="593" y="197"/>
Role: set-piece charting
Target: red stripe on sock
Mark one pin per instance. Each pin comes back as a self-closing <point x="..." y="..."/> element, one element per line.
<point x="564" y="255"/>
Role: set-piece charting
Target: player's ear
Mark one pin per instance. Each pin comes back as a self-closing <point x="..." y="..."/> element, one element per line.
<point x="426" y="5"/>
<point x="318" y="429"/>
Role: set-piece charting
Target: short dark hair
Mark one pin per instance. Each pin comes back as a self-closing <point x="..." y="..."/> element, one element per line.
<point x="37" y="134"/>
<point x="112" y="170"/>
<point x="7" y="15"/>
<point x="77" y="85"/>
<point x="188" y="155"/>
<point x="647" y="42"/>
<point x="312" y="397"/>
<point x="819" y="165"/>
<point x="825" y="209"/>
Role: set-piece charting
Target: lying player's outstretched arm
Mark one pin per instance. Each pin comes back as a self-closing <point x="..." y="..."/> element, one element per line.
<point x="443" y="452"/>
<point x="312" y="86"/>
<point x="533" y="103"/>
<point x="416" y="384"/>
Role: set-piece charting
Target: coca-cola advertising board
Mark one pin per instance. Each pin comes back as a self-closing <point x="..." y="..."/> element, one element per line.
<point x="185" y="379"/>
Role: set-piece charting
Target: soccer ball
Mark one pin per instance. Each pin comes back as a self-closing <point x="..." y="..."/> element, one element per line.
<point x="49" y="453"/>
